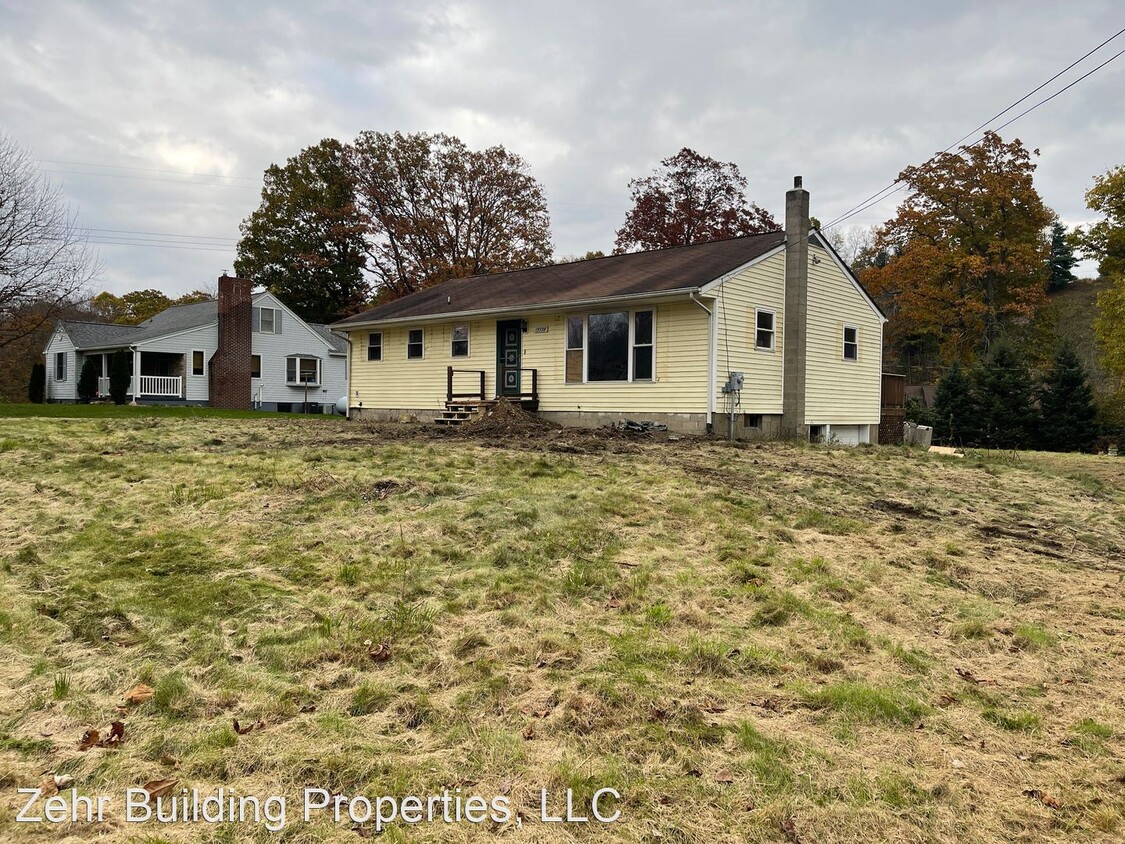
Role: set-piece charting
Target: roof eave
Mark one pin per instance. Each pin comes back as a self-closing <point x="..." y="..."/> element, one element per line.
<point x="679" y="292"/>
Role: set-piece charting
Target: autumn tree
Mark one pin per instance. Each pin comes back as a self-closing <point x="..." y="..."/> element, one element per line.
<point x="690" y="198"/>
<point x="305" y="241"/>
<point x="45" y="262"/>
<point x="966" y="251"/>
<point x="1105" y="242"/>
<point x="435" y="209"/>
<point x="1062" y="262"/>
<point x="137" y="306"/>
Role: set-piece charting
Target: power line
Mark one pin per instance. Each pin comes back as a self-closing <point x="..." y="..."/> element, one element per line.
<point x="152" y="179"/>
<point x="896" y="185"/>
<point x="160" y="234"/>
<point x="152" y="245"/>
<point x="144" y="169"/>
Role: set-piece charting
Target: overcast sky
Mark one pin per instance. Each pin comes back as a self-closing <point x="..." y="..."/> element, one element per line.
<point x="123" y="102"/>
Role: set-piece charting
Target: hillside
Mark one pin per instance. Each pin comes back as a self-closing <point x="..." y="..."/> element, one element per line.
<point x="759" y="643"/>
<point x="1073" y="313"/>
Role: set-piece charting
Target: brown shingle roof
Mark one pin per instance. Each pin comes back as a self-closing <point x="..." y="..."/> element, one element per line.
<point x="637" y="273"/>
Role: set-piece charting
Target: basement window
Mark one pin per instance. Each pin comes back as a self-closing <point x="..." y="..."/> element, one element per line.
<point x="300" y="371"/>
<point x="255" y="366"/>
<point x="764" y="331"/>
<point x="752" y="420"/>
<point x="197" y="362"/>
<point x="851" y="342"/>
<point x="459" y="347"/>
<point x="415" y="345"/>
<point x="375" y="345"/>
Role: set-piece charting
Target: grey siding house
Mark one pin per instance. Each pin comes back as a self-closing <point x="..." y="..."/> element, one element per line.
<point x="271" y="358"/>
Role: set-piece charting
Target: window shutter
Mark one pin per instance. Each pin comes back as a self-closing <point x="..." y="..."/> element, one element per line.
<point x="277" y="320"/>
<point x="256" y="320"/>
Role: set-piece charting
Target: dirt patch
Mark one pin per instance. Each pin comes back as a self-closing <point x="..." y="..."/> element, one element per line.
<point x="902" y="508"/>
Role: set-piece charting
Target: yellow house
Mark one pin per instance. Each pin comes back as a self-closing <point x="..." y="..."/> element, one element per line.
<point x="769" y="335"/>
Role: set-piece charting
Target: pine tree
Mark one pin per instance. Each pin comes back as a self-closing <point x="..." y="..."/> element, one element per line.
<point x="1067" y="401"/>
<point x="1004" y="396"/>
<point x="120" y="373"/>
<point x="955" y="411"/>
<point x="1062" y="261"/>
<point x="88" y="381"/>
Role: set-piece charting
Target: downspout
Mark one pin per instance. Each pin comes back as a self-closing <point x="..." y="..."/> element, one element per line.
<point x="711" y="354"/>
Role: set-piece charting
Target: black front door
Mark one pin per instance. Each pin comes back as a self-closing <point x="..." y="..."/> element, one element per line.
<point x="509" y="335"/>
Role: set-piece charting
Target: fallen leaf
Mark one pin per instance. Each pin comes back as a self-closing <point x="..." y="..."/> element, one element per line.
<point x="724" y="775"/>
<point x="309" y="707"/>
<point x="1043" y="797"/>
<point x="529" y="732"/>
<point x="62" y="781"/>
<point x="381" y="653"/>
<point x="695" y="772"/>
<point x="957" y="763"/>
<point x="613" y="603"/>
<point x="790" y="830"/>
<point x="170" y="760"/>
<point x="90" y="738"/>
<point x="116" y="734"/>
<point x="161" y="788"/>
<point x="48" y="787"/>
<point x="505" y="787"/>
<point x="139" y="694"/>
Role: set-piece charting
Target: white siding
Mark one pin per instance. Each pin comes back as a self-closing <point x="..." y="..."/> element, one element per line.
<point x="66" y="390"/>
<point x="296" y="338"/>
<point x="204" y="339"/>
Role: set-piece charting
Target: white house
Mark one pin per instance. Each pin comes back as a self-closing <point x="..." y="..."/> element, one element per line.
<point x="242" y="350"/>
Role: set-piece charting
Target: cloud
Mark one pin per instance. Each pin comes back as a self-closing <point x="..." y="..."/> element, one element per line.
<point x="135" y="96"/>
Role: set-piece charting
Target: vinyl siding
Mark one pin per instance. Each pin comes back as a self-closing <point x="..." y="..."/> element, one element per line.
<point x="737" y="300"/>
<point x="838" y="391"/>
<point x="202" y="339"/>
<point x="296" y="338"/>
<point x="62" y="390"/>
<point x="395" y="382"/>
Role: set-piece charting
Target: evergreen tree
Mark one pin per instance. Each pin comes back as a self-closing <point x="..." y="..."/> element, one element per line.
<point x="1004" y="398"/>
<point x="88" y="381"/>
<point x="1062" y="261"/>
<point x="955" y="411"/>
<point x="37" y="386"/>
<point x="120" y="373"/>
<point x="1069" y="413"/>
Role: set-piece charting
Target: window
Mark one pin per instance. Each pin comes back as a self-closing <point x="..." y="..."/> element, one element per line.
<point x="460" y="345"/>
<point x="851" y="342"/>
<point x="60" y="366"/>
<point x="414" y="343"/>
<point x="642" y="346"/>
<point x="255" y="366"/>
<point x="267" y="320"/>
<point x="763" y="335"/>
<point x="575" y="328"/>
<point x="617" y="346"/>
<point x="302" y="371"/>
<point x="753" y="420"/>
<point x="608" y="357"/>
<point x="375" y="345"/>
<point x="197" y="362"/>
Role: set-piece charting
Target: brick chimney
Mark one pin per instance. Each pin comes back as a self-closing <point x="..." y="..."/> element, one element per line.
<point x="230" y="365"/>
<point x="796" y="311"/>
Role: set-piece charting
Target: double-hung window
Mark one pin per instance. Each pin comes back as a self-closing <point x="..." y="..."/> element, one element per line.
<point x="851" y="342"/>
<point x="415" y="345"/>
<point x="764" y="330"/>
<point x="197" y="362"/>
<point x="642" y="346"/>
<point x="375" y="345"/>
<point x="267" y="320"/>
<point x="459" y="346"/>
<point x="60" y="366"/>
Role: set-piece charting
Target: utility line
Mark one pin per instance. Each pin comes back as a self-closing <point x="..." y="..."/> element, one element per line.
<point x="896" y="185"/>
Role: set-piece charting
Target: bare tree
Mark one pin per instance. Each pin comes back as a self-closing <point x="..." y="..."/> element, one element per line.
<point x="45" y="260"/>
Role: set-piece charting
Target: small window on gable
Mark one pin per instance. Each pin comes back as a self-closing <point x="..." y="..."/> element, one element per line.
<point x="415" y="344"/>
<point x="255" y="366"/>
<point x="197" y="362"/>
<point x="460" y="344"/>
<point x="267" y="320"/>
<point x="60" y="366"/>
<point x="375" y="345"/>
<point x="764" y="331"/>
<point x="851" y="342"/>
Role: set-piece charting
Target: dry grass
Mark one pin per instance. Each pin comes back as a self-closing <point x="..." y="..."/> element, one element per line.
<point x="869" y="644"/>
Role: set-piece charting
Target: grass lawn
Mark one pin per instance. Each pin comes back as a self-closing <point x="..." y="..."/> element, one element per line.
<point x="124" y="411"/>
<point x="759" y="643"/>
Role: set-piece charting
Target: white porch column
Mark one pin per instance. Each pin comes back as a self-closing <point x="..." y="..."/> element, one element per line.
<point x="136" y="374"/>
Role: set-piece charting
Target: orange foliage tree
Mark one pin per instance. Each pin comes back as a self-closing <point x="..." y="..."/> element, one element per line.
<point x="967" y="250"/>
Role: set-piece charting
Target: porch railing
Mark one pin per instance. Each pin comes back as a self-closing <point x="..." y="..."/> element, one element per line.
<point x="450" y="395"/>
<point x="161" y="385"/>
<point x="103" y="386"/>
<point x="534" y="394"/>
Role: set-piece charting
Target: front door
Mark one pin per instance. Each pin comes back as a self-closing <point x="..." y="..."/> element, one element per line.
<point x="509" y="334"/>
